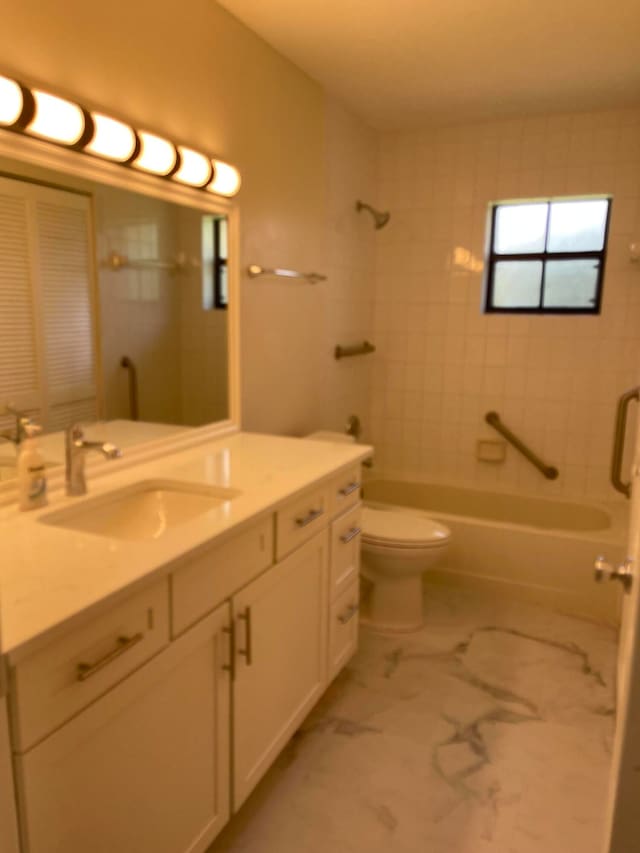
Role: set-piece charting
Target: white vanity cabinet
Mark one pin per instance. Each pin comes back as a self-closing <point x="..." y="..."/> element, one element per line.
<point x="280" y="640"/>
<point x="145" y="769"/>
<point x="142" y="728"/>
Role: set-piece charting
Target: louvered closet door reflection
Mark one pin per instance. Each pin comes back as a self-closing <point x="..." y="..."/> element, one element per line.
<point x="47" y="341"/>
<point x="19" y="373"/>
<point x="62" y="227"/>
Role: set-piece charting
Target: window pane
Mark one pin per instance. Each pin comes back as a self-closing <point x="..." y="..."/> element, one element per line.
<point x="516" y="284"/>
<point x="577" y="226"/>
<point x="207" y="262"/>
<point x="571" y="284"/>
<point x="223" y="294"/>
<point x="222" y="238"/>
<point x="520" y="228"/>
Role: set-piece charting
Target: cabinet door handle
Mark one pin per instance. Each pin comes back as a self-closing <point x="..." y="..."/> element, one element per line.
<point x="349" y="489"/>
<point x="309" y="517"/>
<point x="231" y="666"/>
<point x="350" y="534"/>
<point x="247" y="652"/>
<point x="349" y="613"/>
<point x="86" y="670"/>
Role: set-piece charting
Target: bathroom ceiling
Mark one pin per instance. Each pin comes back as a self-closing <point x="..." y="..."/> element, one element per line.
<point x="404" y="63"/>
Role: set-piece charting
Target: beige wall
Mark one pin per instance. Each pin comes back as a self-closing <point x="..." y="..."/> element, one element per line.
<point x="196" y="74"/>
<point x="442" y="363"/>
<point x="350" y="258"/>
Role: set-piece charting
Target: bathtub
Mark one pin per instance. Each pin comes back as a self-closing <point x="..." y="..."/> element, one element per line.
<point x="530" y="547"/>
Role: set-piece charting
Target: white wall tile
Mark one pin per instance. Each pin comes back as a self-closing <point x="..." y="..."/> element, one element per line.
<point x="442" y="364"/>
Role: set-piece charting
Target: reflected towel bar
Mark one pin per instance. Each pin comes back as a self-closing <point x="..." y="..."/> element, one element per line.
<point x="255" y="270"/>
<point x="357" y="349"/>
<point x="120" y="262"/>
<point x="548" y="471"/>
<point x="126" y="362"/>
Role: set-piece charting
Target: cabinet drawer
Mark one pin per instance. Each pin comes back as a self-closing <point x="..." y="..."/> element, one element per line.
<point x="343" y="628"/>
<point x="58" y="681"/>
<point x="301" y="519"/>
<point x="345" y="489"/>
<point x="201" y="584"/>
<point x="345" y="550"/>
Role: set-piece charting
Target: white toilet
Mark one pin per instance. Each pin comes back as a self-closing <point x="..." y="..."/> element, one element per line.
<point x="398" y="546"/>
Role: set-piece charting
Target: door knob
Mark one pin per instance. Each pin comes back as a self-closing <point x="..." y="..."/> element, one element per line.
<point x="622" y="573"/>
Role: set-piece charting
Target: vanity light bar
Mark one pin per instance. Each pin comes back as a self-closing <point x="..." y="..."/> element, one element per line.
<point x="54" y="119"/>
<point x="112" y="139"/>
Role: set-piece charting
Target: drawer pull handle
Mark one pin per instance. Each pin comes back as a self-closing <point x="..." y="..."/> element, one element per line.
<point x="309" y="517"/>
<point x="348" y="615"/>
<point x="86" y="670"/>
<point x="349" y="489"/>
<point x="231" y="666"/>
<point x="247" y="652"/>
<point x="350" y="534"/>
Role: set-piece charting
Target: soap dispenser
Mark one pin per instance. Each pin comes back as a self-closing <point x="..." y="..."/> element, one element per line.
<point x="32" y="482"/>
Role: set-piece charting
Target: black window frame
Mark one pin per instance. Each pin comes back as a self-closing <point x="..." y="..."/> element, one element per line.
<point x="220" y="299"/>
<point x="492" y="257"/>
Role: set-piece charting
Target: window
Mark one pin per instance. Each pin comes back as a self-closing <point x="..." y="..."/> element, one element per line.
<point x="547" y="256"/>
<point x="215" y="292"/>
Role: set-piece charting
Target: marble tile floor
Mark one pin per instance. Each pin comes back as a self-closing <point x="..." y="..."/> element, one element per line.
<point x="489" y="731"/>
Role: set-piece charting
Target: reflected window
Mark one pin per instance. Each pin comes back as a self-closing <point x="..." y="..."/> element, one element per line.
<point x="547" y="256"/>
<point x="215" y="286"/>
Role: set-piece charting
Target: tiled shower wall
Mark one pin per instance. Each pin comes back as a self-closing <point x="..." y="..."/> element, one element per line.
<point x="441" y="363"/>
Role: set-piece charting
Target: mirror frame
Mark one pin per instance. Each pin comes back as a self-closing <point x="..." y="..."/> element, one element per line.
<point x="46" y="155"/>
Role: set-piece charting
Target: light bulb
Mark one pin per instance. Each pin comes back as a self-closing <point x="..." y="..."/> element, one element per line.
<point x="11" y="101"/>
<point x="157" y="155"/>
<point x="56" y="119"/>
<point x="111" y="139"/>
<point x="195" y="169"/>
<point x="226" y="179"/>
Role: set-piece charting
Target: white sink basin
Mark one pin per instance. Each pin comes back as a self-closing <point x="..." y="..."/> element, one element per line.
<point x="143" y="510"/>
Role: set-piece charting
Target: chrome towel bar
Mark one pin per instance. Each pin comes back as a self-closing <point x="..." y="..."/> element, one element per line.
<point x="618" y="441"/>
<point x="255" y="271"/>
<point x="548" y="471"/>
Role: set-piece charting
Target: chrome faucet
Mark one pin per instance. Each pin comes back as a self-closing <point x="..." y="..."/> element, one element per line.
<point x="21" y="422"/>
<point x="76" y="448"/>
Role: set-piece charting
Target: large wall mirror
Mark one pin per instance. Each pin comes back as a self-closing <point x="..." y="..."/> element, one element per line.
<point x="114" y="310"/>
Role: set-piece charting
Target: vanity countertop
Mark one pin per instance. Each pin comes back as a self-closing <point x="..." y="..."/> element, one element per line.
<point x="49" y="576"/>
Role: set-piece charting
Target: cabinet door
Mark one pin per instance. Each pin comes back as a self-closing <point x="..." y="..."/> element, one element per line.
<point x="281" y="629"/>
<point x="145" y="769"/>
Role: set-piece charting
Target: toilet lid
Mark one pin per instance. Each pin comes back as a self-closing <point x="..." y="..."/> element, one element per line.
<point x="397" y="527"/>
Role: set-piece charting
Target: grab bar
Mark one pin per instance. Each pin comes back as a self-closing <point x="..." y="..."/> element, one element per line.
<point x="255" y="270"/>
<point x="618" y="441"/>
<point x="126" y="362"/>
<point x="548" y="471"/>
<point x="357" y="349"/>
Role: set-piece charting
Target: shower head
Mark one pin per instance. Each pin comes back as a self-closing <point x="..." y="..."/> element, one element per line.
<point x="379" y="219"/>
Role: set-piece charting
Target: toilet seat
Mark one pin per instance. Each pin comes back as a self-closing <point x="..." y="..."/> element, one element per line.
<point x="400" y="529"/>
